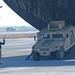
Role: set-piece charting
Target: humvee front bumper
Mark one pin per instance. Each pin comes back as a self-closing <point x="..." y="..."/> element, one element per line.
<point x="44" y="52"/>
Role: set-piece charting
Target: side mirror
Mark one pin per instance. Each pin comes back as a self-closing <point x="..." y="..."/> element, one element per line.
<point x="35" y="39"/>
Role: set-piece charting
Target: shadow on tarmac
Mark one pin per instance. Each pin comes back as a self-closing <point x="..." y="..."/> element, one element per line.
<point x="19" y="61"/>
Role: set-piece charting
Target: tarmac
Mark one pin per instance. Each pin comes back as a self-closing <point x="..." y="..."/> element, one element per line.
<point x="17" y="59"/>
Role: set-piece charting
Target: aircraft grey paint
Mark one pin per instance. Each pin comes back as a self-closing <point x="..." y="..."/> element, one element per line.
<point x="40" y="12"/>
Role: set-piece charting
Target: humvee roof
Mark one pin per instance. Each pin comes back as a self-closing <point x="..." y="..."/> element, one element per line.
<point x="64" y="29"/>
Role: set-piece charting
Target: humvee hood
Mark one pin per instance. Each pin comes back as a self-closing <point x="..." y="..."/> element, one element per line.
<point x="56" y="43"/>
<point x="52" y="43"/>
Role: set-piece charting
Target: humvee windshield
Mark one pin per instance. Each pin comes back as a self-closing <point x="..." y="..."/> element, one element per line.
<point x="44" y="36"/>
<point x="57" y="35"/>
<point x="48" y="36"/>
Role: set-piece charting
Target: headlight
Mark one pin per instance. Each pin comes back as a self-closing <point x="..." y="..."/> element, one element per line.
<point x="38" y="50"/>
<point x="50" y="49"/>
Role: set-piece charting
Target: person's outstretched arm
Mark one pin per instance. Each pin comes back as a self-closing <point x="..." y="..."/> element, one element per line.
<point x="3" y="42"/>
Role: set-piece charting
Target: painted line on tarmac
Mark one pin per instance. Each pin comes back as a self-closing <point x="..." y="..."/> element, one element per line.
<point x="11" y="69"/>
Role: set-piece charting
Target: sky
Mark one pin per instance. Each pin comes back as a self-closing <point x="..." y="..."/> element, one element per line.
<point x="9" y="18"/>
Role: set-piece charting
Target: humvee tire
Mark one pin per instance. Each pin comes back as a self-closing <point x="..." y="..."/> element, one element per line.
<point x="60" y="54"/>
<point x="36" y="56"/>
